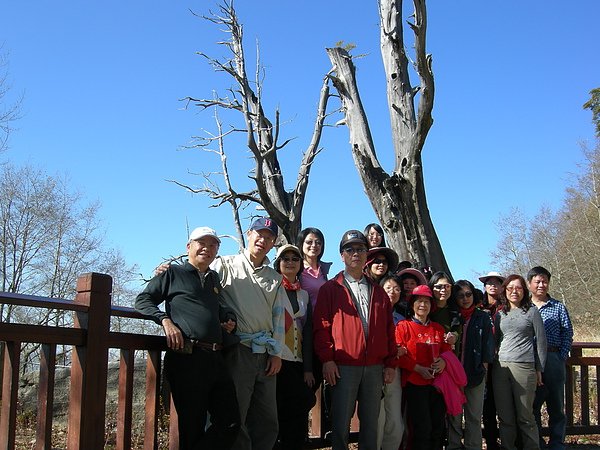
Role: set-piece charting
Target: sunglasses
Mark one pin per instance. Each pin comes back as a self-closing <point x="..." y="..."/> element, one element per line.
<point x="380" y="261"/>
<point x="291" y="259"/>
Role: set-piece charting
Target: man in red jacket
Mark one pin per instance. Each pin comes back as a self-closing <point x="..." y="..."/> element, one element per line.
<point x="354" y="339"/>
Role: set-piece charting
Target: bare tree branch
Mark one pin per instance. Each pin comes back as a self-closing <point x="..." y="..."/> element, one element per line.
<point x="10" y="110"/>
<point x="262" y="136"/>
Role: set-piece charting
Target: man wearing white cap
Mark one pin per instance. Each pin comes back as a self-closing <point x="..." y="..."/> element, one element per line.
<point x="194" y="364"/>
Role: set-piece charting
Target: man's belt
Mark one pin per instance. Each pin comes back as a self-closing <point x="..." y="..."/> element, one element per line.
<point x="211" y="346"/>
<point x="553" y="349"/>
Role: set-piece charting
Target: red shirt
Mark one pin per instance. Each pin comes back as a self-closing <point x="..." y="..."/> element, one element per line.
<point x="410" y="333"/>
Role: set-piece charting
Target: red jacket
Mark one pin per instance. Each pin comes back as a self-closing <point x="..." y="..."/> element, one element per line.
<point x="408" y="334"/>
<point x="338" y="330"/>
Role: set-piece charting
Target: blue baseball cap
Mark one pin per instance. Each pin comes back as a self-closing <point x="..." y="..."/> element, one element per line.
<point x="265" y="223"/>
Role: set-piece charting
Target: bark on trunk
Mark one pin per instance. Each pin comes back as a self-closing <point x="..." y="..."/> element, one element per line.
<point x="398" y="199"/>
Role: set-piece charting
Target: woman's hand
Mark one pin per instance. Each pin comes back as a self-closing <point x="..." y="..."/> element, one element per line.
<point x="450" y="338"/>
<point x="424" y="372"/>
<point x="388" y="375"/>
<point x="401" y="351"/>
<point x="309" y="379"/>
<point x="438" y="365"/>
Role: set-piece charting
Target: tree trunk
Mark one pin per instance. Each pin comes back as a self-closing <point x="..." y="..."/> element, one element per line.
<point x="398" y="199"/>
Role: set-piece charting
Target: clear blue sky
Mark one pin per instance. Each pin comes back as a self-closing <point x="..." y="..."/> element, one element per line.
<point x="102" y="82"/>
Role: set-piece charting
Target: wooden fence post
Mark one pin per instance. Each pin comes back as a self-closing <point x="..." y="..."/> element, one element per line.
<point x="87" y="398"/>
<point x="10" y="387"/>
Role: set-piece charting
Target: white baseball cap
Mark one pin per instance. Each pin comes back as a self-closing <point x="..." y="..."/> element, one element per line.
<point x="200" y="232"/>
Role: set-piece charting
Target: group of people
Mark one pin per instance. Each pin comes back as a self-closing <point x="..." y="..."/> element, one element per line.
<point x="422" y="359"/>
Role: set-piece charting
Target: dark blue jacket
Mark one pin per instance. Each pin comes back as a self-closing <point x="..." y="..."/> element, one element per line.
<point x="478" y="341"/>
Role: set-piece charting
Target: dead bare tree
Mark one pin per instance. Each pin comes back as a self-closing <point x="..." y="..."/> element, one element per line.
<point x="262" y="138"/>
<point x="398" y="198"/>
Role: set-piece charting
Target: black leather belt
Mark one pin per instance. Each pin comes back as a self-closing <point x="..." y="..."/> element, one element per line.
<point x="211" y="346"/>
<point x="553" y="349"/>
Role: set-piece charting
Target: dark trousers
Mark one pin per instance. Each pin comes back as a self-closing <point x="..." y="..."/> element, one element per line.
<point x="294" y="400"/>
<point x="201" y="384"/>
<point x="426" y="413"/>
<point x="553" y="393"/>
<point x="490" y="422"/>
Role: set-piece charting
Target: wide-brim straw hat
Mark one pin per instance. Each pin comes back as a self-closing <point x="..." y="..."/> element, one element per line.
<point x="492" y="274"/>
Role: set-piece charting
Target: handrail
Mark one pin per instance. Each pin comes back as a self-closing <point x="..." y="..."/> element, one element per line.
<point x="35" y="301"/>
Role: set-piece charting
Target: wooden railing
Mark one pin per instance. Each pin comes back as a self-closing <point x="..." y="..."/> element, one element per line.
<point x="91" y="340"/>
<point x="582" y="402"/>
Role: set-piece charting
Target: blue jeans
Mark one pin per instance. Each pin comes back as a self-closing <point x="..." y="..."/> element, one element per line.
<point x="553" y="393"/>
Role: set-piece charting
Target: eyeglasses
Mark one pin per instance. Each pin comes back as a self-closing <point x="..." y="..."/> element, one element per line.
<point x="514" y="288"/>
<point x="353" y="250"/>
<point x="315" y="243"/>
<point x="440" y="287"/>
<point x="291" y="259"/>
<point x="380" y="261"/>
<point x="464" y="295"/>
<point x="394" y="289"/>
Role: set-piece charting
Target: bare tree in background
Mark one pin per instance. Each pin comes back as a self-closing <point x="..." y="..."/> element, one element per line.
<point x="566" y="241"/>
<point x="262" y="139"/>
<point x="397" y="198"/>
<point x="524" y="241"/>
<point x="9" y="109"/>
<point x="48" y="237"/>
